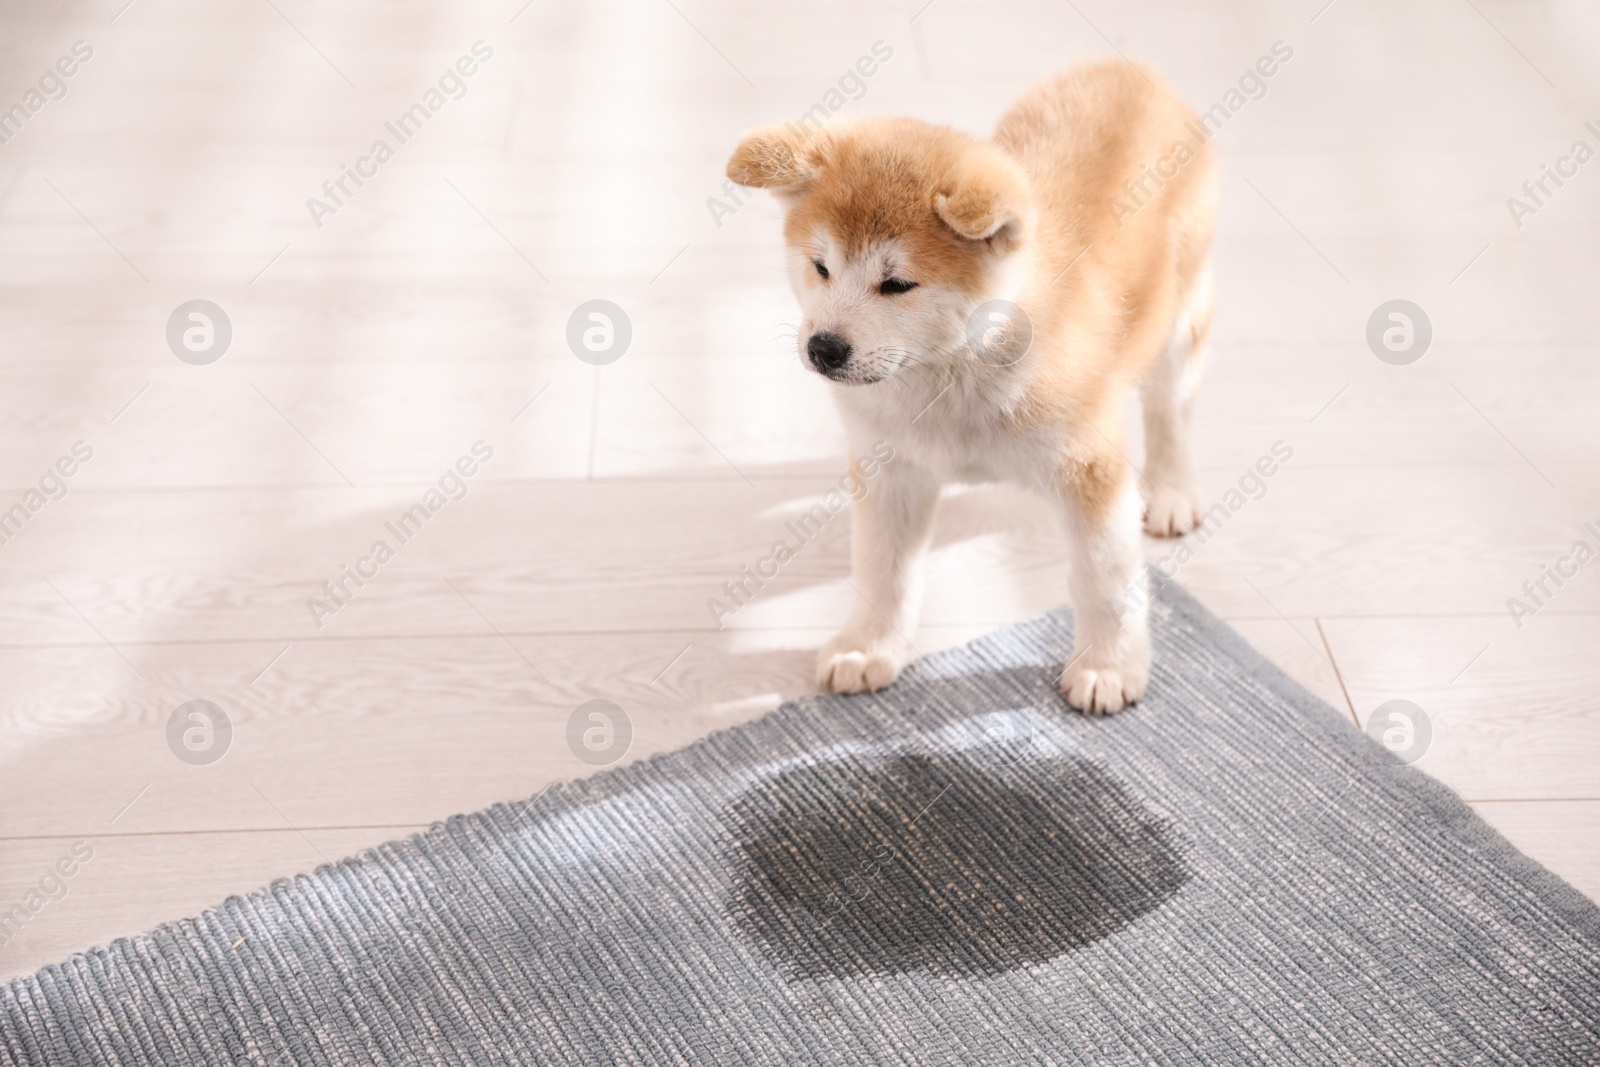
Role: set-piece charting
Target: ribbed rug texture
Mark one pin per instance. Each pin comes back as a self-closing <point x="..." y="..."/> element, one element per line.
<point x="957" y="870"/>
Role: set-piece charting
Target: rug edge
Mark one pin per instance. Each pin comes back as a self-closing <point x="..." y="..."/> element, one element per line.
<point x="1556" y="891"/>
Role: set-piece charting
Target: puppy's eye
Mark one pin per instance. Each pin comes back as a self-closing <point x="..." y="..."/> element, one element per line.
<point x="820" y="268"/>
<point x="894" y="286"/>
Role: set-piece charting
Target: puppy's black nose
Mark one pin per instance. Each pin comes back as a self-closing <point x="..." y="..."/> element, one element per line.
<point x="828" y="351"/>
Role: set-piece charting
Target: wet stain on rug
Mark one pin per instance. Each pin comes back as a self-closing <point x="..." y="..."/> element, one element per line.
<point x="942" y="864"/>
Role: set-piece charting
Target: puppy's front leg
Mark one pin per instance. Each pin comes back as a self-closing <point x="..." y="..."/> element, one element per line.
<point x="893" y="519"/>
<point x="1110" y="664"/>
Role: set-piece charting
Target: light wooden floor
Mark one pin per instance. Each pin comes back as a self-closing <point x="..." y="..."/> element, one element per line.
<point x="429" y="313"/>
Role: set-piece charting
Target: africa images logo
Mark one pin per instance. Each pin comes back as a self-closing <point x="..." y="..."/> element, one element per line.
<point x="853" y="485"/>
<point x="410" y="122"/>
<point x="1252" y="85"/>
<point x="452" y="485"/>
<point x="52" y="85"/>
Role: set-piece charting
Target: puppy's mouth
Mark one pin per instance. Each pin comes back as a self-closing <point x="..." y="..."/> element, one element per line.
<point x="846" y="378"/>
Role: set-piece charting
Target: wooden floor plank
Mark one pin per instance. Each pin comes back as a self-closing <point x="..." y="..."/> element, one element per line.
<point x="329" y="734"/>
<point x="1513" y="712"/>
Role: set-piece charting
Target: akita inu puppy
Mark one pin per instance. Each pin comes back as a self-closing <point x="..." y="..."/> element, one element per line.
<point x="986" y="306"/>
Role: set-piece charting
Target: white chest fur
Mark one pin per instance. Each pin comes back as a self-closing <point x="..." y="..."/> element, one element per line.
<point x="960" y="430"/>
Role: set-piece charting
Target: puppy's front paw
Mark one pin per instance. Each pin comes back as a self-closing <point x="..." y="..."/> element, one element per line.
<point x="1103" y="690"/>
<point x="1172" y="512"/>
<point x="850" y="664"/>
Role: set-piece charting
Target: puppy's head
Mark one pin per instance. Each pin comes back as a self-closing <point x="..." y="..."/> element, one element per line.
<point x="897" y="232"/>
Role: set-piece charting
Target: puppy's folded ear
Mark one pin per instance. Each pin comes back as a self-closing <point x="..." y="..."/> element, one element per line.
<point x="986" y="198"/>
<point x="772" y="157"/>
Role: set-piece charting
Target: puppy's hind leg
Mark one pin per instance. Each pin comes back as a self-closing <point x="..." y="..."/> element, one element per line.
<point x="893" y="522"/>
<point x="1173" y="504"/>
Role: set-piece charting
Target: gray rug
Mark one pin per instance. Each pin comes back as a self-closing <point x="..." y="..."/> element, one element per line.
<point x="957" y="870"/>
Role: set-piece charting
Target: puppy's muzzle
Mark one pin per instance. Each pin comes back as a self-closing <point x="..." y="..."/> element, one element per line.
<point x="828" y="352"/>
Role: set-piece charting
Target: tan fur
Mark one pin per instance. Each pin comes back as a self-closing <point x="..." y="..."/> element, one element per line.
<point x="1115" y="297"/>
<point x="1079" y="138"/>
